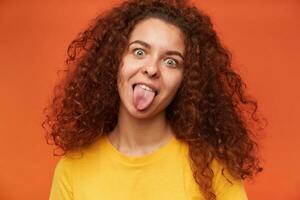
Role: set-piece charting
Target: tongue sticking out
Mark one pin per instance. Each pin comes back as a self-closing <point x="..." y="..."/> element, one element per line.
<point x="142" y="98"/>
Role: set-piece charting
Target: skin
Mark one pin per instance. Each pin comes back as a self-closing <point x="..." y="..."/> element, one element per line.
<point x="142" y="131"/>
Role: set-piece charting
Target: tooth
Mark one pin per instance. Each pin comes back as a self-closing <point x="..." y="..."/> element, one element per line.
<point x="146" y="87"/>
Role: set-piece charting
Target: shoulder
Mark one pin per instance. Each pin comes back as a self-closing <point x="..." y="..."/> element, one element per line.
<point x="62" y="183"/>
<point x="73" y="163"/>
<point x="225" y="185"/>
<point x="73" y="160"/>
<point x="64" y="169"/>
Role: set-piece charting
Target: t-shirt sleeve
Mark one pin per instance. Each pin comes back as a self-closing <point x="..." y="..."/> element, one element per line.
<point x="224" y="189"/>
<point x="62" y="181"/>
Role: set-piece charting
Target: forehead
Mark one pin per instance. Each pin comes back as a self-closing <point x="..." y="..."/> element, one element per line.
<point x="159" y="34"/>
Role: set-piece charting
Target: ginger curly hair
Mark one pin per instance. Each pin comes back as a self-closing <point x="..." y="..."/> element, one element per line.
<point x="210" y="111"/>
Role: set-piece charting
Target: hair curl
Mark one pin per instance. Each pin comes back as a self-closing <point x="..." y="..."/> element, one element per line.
<point x="216" y="116"/>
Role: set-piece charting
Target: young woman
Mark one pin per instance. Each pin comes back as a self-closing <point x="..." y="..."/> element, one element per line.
<point x="151" y="109"/>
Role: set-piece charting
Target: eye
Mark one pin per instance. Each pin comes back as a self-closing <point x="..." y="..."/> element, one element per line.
<point x="138" y="51"/>
<point x="172" y="62"/>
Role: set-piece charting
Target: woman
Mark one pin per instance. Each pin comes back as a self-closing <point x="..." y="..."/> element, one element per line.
<point x="151" y="109"/>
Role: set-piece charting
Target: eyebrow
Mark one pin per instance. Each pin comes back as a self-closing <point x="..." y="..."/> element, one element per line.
<point x="149" y="46"/>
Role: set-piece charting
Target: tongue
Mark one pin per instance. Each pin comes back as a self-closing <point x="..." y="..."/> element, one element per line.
<point x="142" y="98"/>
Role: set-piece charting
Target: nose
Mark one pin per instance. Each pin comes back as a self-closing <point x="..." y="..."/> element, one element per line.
<point x="151" y="69"/>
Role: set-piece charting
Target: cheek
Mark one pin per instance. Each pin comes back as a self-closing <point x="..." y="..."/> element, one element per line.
<point x="173" y="82"/>
<point x="128" y="69"/>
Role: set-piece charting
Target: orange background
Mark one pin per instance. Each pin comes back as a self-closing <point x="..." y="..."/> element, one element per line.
<point x="263" y="37"/>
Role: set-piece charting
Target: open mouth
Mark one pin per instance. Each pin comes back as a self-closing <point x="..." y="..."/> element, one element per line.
<point x="145" y="88"/>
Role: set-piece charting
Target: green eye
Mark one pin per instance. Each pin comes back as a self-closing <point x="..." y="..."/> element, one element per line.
<point x="172" y="62"/>
<point x="138" y="52"/>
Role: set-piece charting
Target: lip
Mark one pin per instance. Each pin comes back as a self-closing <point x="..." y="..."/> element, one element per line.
<point x="153" y="87"/>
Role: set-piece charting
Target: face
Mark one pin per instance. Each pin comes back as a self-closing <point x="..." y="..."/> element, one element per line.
<point x="154" y="59"/>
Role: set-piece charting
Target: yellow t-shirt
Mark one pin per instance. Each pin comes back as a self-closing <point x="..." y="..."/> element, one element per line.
<point x="101" y="172"/>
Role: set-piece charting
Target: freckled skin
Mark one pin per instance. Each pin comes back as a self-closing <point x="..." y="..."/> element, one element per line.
<point x="151" y="65"/>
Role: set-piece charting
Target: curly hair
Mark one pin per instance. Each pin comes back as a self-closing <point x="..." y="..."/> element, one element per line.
<point x="210" y="111"/>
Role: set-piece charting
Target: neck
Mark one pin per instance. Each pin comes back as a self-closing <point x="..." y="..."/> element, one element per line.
<point x="139" y="136"/>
